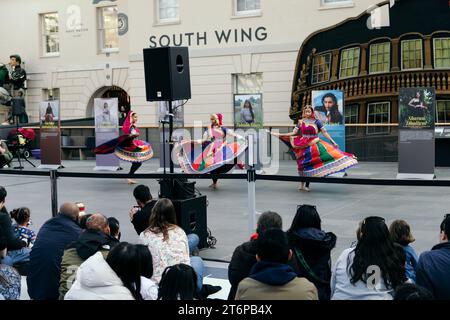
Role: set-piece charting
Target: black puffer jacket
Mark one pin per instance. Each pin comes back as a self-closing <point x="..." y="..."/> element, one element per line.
<point x="315" y="246"/>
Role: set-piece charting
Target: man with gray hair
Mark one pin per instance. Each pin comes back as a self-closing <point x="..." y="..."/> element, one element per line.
<point x="45" y="258"/>
<point x="95" y="238"/>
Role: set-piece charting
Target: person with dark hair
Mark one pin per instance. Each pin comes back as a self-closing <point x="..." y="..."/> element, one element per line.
<point x="16" y="247"/>
<point x="178" y="282"/>
<point x="10" y="281"/>
<point x="114" y="228"/>
<point x="315" y="157"/>
<point x="46" y="255"/>
<point x="311" y="247"/>
<point x="49" y="115"/>
<point x="96" y="238"/>
<point x="412" y="292"/>
<point x="433" y="268"/>
<point x="401" y="233"/>
<point x="244" y="256"/>
<point x="118" y="277"/>
<point x="83" y="220"/>
<point x="370" y="271"/>
<point x="271" y="278"/>
<point x="247" y="113"/>
<point x="140" y="215"/>
<point x="328" y="112"/>
<point x="17" y="75"/>
<point x="149" y="289"/>
<point x="21" y="230"/>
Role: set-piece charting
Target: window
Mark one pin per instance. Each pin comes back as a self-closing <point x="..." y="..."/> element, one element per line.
<point x="247" y="7"/>
<point x="351" y="116"/>
<point x="321" y="68"/>
<point x="442" y="53"/>
<point x="108" y="29"/>
<point x="168" y="10"/>
<point x="336" y="3"/>
<point x="50" y="94"/>
<point x="349" y="63"/>
<point x="380" y="57"/>
<point x="412" y="54"/>
<point x="378" y="113"/>
<point x="248" y="83"/>
<point x="443" y="111"/>
<point x="50" y="34"/>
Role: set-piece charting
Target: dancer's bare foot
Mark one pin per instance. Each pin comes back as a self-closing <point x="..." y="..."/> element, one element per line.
<point x="130" y="181"/>
<point x="213" y="186"/>
<point x="302" y="187"/>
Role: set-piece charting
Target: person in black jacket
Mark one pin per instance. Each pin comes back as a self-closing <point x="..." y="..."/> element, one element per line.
<point x="140" y="215"/>
<point x="46" y="255"/>
<point x="17" y="253"/>
<point x="311" y="249"/>
<point x="244" y="256"/>
<point x="433" y="269"/>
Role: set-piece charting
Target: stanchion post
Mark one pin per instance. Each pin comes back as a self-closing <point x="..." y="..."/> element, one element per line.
<point x="251" y="181"/>
<point x="54" y="192"/>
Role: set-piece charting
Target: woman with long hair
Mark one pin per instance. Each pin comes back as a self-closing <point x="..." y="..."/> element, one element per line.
<point x="127" y="147"/>
<point x="315" y="157"/>
<point x="217" y="154"/>
<point x="328" y="112"/>
<point x="373" y="269"/>
<point x="247" y="113"/>
<point x="178" y="282"/>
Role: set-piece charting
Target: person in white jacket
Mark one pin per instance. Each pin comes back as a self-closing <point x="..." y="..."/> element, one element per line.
<point x="371" y="270"/>
<point x="116" y="278"/>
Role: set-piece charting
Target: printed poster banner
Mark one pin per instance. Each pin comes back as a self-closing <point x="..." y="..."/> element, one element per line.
<point x="328" y="107"/>
<point x="248" y="111"/>
<point x="106" y="114"/>
<point x="50" y="132"/>
<point x="178" y="123"/>
<point x="416" y="136"/>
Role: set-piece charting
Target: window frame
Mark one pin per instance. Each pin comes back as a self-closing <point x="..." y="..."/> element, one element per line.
<point x="246" y="13"/>
<point x="101" y="31"/>
<point x="447" y="101"/>
<point x="368" y="114"/>
<point x="254" y="74"/>
<point x="43" y="42"/>
<point x="328" y="53"/>
<point x="370" y="57"/>
<point x="336" y="5"/>
<point x="159" y="21"/>
<point x="434" y="52"/>
<point x="352" y="130"/>
<point x="358" y="64"/>
<point x="421" y="54"/>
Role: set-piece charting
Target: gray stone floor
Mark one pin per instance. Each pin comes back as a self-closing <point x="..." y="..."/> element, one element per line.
<point x="340" y="206"/>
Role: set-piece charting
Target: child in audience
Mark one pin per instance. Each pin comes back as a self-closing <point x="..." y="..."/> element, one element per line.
<point x="21" y="227"/>
<point x="401" y="233"/>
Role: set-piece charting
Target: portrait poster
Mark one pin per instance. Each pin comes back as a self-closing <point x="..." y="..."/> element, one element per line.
<point x="416" y="108"/>
<point x="106" y="114"/>
<point x="248" y="111"/>
<point x="164" y="119"/>
<point x="50" y="133"/>
<point x="328" y="108"/>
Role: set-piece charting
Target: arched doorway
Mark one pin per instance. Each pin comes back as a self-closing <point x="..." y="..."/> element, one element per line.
<point x="111" y="92"/>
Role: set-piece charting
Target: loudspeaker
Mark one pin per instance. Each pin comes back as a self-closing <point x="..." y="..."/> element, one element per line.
<point x="191" y="217"/>
<point x="167" y="75"/>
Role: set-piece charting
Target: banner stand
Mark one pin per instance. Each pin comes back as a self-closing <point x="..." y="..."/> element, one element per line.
<point x="421" y="176"/>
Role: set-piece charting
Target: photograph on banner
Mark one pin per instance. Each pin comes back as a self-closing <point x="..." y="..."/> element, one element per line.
<point x="49" y="114"/>
<point x="177" y="111"/>
<point x="416" y="108"/>
<point x="328" y="108"/>
<point x="248" y="111"/>
<point x="106" y="114"/>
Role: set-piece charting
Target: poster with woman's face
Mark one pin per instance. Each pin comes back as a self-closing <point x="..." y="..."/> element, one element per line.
<point x="416" y="108"/>
<point x="248" y="111"/>
<point x="49" y="113"/>
<point x="328" y="106"/>
<point x="106" y="114"/>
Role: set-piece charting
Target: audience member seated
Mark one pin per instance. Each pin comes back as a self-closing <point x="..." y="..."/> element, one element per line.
<point x="311" y="248"/>
<point x="149" y="289"/>
<point x="271" y="278"/>
<point x="21" y="227"/>
<point x="244" y="256"/>
<point x="95" y="238"/>
<point x="411" y="291"/>
<point x="117" y="277"/>
<point x="9" y="277"/>
<point x="5" y="155"/>
<point x="114" y="228"/>
<point x="17" y="253"/>
<point x="433" y="269"/>
<point x="46" y="255"/>
<point x="178" y="282"/>
<point x="140" y="216"/>
<point x="355" y="276"/>
<point x="401" y="233"/>
<point x="83" y="219"/>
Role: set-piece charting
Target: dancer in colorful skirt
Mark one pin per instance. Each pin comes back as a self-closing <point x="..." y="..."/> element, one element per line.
<point x="216" y="155"/>
<point x="127" y="147"/>
<point x="315" y="157"/>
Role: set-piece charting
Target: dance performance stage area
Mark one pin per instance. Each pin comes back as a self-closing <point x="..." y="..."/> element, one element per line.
<point x="340" y="206"/>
